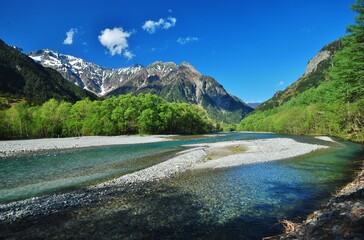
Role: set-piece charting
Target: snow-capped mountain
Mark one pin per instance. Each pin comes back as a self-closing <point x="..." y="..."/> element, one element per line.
<point x="84" y="74"/>
<point x="179" y="83"/>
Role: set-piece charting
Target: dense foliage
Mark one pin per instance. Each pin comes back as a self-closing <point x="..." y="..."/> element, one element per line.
<point x="22" y="78"/>
<point x="127" y="114"/>
<point x="335" y="106"/>
<point x="179" y="87"/>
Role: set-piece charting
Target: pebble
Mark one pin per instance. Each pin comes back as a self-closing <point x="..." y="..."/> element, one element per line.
<point x="33" y="146"/>
<point x="184" y="161"/>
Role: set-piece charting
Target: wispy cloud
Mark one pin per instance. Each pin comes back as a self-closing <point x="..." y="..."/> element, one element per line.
<point x="186" y="40"/>
<point x="116" y="41"/>
<point x="69" y="36"/>
<point x="281" y="83"/>
<point x="152" y="26"/>
<point x="128" y="54"/>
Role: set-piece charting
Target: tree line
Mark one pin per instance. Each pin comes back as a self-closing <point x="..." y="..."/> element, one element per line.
<point x="126" y="114"/>
<point x="335" y="107"/>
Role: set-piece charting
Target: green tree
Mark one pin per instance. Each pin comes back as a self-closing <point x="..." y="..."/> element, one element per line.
<point x="348" y="64"/>
<point x="18" y="121"/>
<point x="78" y="122"/>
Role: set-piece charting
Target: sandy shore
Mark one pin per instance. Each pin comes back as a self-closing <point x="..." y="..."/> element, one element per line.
<point x="17" y="147"/>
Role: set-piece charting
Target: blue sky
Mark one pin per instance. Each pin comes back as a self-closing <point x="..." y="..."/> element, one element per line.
<point x="253" y="48"/>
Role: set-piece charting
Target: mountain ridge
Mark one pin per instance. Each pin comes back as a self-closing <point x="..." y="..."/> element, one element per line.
<point x="21" y="77"/>
<point x="313" y="76"/>
<point x="175" y="83"/>
<point x="321" y="102"/>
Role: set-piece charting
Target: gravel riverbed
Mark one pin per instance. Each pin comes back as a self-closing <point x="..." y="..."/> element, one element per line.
<point x="196" y="157"/>
<point x="21" y="147"/>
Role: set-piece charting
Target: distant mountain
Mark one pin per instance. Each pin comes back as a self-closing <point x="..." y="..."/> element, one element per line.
<point x="20" y="76"/>
<point x="253" y="105"/>
<point x="84" y="74"/>
<point x="175" y="83"/>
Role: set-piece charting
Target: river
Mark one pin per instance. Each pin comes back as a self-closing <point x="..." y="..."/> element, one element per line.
<point x="245" y="202"/>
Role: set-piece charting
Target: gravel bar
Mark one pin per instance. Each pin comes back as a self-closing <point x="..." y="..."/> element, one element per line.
<point x="190" y="159"/>
<point x="21" y="147"/>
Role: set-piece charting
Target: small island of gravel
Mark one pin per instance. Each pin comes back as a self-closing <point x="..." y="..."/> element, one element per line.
<point x="225" y="154"/>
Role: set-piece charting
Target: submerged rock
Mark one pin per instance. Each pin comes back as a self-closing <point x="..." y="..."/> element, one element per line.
<point x="341" y="218"/>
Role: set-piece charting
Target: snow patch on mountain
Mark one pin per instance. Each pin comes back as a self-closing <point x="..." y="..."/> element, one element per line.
<point x="85" y="74"/>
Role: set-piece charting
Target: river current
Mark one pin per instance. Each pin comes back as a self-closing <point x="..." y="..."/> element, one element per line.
<point x="245" y="202"/>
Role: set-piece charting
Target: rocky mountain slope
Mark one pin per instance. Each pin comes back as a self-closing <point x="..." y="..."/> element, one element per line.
<point x="21" y="77"/>
<point x="313" y="76"/>
<point x="175" y="83"/>
<point x="84" y="74"/>
<point x="326" y="100"/>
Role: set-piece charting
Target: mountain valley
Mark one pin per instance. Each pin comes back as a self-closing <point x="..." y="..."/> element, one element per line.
<point x="175" y="83"/>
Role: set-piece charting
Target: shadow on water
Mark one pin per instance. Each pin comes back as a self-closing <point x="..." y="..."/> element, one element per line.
<point x="148" y="212"/>
<point x="136" y="214"/>
<point x="245" y="202"/>
<point x="58" y="171"/>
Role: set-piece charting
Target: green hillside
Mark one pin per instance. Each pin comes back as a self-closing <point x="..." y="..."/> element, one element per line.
<point x="22" y="78"/>
<point x="329" y="100"/>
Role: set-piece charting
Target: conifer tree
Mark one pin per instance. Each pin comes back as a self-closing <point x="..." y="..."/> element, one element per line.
<point x="349" y="62"/>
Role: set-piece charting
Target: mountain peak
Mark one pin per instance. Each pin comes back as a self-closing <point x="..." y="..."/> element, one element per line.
<point x="187" y="65"/>
<point x="23" y="77"/>
<point x="43" y="51"/>
<point x="176" y="83"/>
<point x="136" y="65"/>
<point x="160" y="69"/>
<point x="161" y="64"/>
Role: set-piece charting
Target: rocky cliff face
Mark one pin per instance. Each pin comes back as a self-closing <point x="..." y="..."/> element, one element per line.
<point x="314" y="62"/>
<point x="177" y="83"/>
<point x="313" y="76"/>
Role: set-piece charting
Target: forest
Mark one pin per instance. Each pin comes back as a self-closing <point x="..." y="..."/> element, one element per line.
<point x="126" y="114"/>
<point x="335" y="107"/>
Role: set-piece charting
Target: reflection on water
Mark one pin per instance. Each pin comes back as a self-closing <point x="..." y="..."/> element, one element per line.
<point x="244" y="202"/>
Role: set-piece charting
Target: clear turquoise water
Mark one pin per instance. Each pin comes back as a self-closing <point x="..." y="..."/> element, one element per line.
<point x="244" y="202"/>
<point x="52" y="172"/>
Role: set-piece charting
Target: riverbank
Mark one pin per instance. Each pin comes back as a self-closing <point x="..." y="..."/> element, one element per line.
<point x="21" y="147"/>
<point x="342" y="217"/>
<point x="196" y="157"/>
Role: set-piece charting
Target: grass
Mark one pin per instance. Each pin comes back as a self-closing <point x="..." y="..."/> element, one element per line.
<point x="226" y="151"/>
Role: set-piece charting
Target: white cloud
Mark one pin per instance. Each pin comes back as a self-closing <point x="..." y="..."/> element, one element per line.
<point x="128" y="54"/>
<point x="186" y="40"/>
<point x="152" y="26"/>
<point x="116" y="41"/>
<point x="281" y="83"/>
<point x="69" y="38"/>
